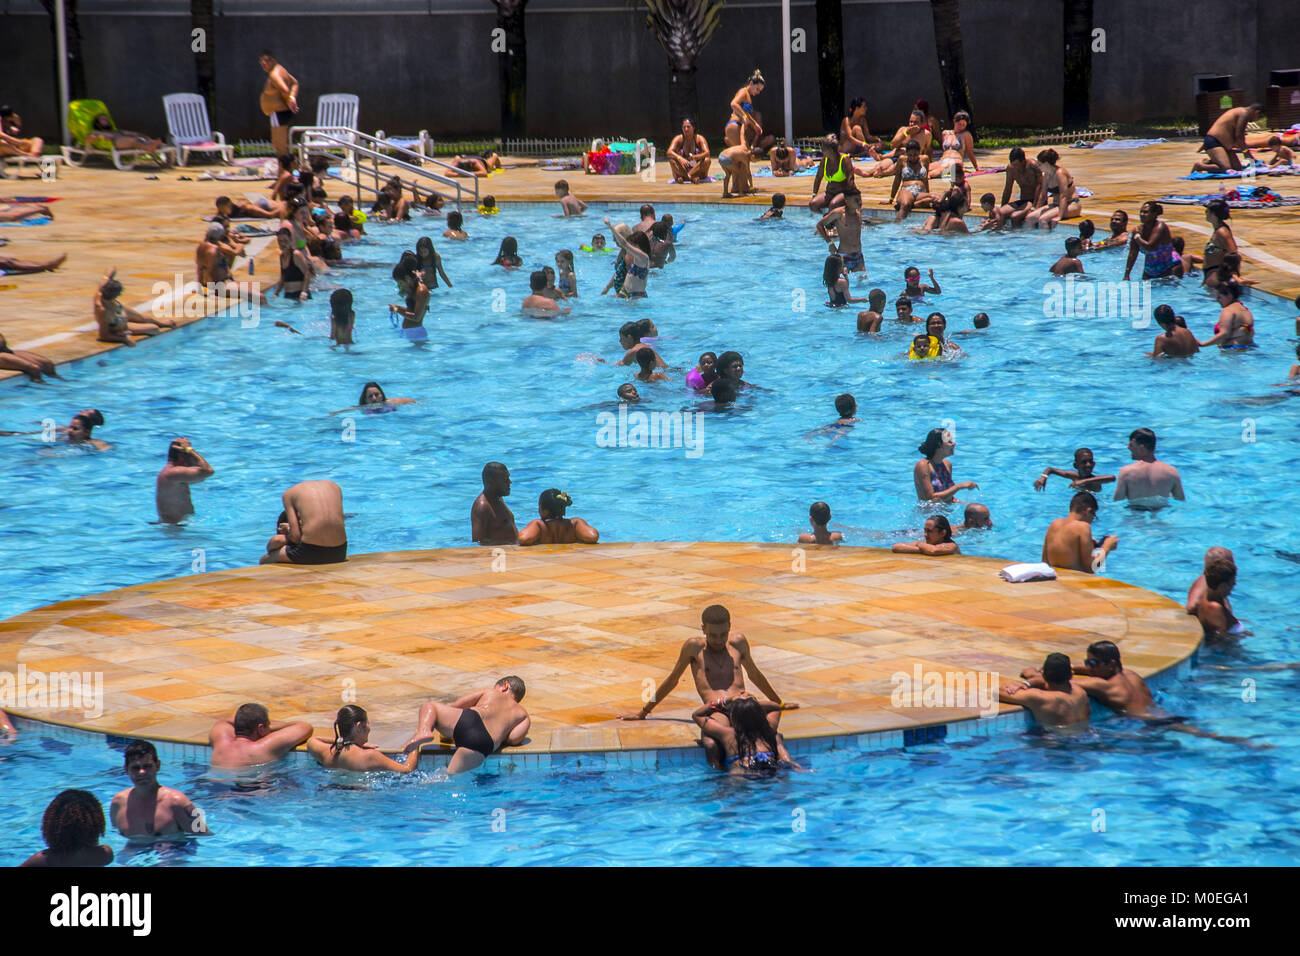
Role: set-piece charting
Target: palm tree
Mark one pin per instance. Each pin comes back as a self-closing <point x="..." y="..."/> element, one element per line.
<point x="205" y="59"/>
<point x="683" y="28"/>
<point x="513" y="67"/>
<point x="1076" y="110"/>
<point x="830" y="62"/>
<point x="952" y="63"/>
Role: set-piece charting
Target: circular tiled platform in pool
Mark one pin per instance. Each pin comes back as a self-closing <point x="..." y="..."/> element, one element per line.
<point x="589" y="629"/>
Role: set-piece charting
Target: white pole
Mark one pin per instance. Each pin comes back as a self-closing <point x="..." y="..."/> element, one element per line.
<point x="785" y="69"/>
<point x="61" y="51"/>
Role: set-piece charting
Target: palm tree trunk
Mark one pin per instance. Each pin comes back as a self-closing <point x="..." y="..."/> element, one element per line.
<point x="683" y="28"/>
<point x="1076" y="111"/>
<point x="683" y="98"/>
<point x="952" y="62"/>
<point x="513" y="68"/>
<point x="76" y="64"/>
<point x="205" y="59"/>
<point x="830" y="62"/>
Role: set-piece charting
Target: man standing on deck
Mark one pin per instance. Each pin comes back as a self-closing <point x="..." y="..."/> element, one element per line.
<point x="279" y="101"/>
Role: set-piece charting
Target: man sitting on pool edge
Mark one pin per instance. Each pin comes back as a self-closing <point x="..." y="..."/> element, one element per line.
<point x="480" y="723"/>
<point x="312" y="509"/>
<point x="719" y="661"/>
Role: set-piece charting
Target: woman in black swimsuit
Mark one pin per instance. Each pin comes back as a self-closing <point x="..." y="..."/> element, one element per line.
<point x="295" y="269"/>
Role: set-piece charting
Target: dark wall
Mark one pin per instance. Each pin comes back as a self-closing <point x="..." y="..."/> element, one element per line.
<point x="595" y="69"/>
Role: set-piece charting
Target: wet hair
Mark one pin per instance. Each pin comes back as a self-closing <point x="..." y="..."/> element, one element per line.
<point x="660" y="230"/>
<point x="1083" y="501"/>
<point x="981" y="320"/>
<point x="1220" y="571"/>
<point x="1232" y="262"/>
<point x="1227" y="283"/>
<point x="715" y="614"/>
<point x="646" y="359"/>
<point x="1049" y="156"/>
<point x="640" y="240"/>
<point x="509" y="247"/>
<point x="904" y="300"/>
<point x="566" y="257"/>
<point x="340" y="303"/>
<point x="537" y="281"/>
<point x="516" y="686"/>
<point x="346" y="721"/>
<point x="554" y="502"/>
<point x="1087" y="228"/>
<point x="562" y="185"/>
<point x="1057" y="669"/>
<point x="778" y="200"/>
<point x="137" y="749"/>
<point x="455" y="220"/>
<point x="1016" y="153"/>
<point x="1104" y="652"/>
<point x="493" y="468"/>
<point x="749" y="723"/>
<point x="424" y="242"/>
<point x="405" y="267"/>
<point x="645" y="328"/>
<point x="367" y="387"/>
<point x="647" y="210"/>
<point x="1220" y="208"/>
<point x="877" y="295"/>
<point x="846" y="405"/>
<point x="1145" y="437"/>
<point x="941" y="523"/>
<point x="1179" y="244"/>
<point x="933" y="440"/>
<point x="250" y="716"/>
<point x="831" y="270"/>
<point x="725" y="361"/>
<point x="1073" y="244"/>
<point x="1164" y="314"/>
<point x="111" y="289"/>
<point x="820" y="512"/>
<point x="95" y="417"/>
<point x="345" y="199"/>
<point x="712" y="355"/>
<point x="921" y="345"/>
<point x="73" y="821"/>
<point x="723" y="390"/>
<point x="936" y="315"/>
<point x="1081" y="450"/>
<point x="977" y="516"/>
<point x="988" y="198"/>
<point x="626" y="391"/>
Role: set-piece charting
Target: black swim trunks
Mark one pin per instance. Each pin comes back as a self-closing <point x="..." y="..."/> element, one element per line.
<point x="1164" y="721"/>
<point x="1210" y="143"/>
<point x="304" y="553"/>
<point x="282" y="118"/>
<point x="470" y="733"/>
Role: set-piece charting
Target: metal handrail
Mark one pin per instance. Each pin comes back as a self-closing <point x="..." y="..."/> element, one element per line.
<point x="334" y="136"/>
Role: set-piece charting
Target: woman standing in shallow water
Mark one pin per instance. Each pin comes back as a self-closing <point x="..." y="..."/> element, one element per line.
<point x="932" y="474"/>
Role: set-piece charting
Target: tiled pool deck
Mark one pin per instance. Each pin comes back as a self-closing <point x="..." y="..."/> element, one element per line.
<point x="587" y="628"/>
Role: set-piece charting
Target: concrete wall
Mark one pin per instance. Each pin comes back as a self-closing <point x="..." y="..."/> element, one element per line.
<point x="595" y="69"/>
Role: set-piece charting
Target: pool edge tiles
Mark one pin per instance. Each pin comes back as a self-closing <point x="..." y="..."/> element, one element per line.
<point x="589" y="629"/>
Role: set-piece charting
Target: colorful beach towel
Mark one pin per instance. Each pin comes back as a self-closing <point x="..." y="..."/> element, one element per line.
<point x="987" y="170"/>
<point x="1128" y="143"/>
<point x="1257" y="197"/>
<point x="23" y="200"/>
<point x="32" y="221"/>
<point x="1260" y="169"/>
<point x="767" y="171"/>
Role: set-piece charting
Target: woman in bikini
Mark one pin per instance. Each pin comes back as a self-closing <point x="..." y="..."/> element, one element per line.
<point x="117" y="323"/>
<point x="552" y="527"/>
<point x="1217" y="213"/>
<point x="911" y="183"/>
<point x="1236" y="326"/>
<point x="742" y="110"/>
<point x="1155" y="242"/>
<point x="741" y="728"/>
<point x="688" y="155"/>
<point x="856" y="135"/>
<point x="958" y="146"/>
<point x="1056" y="199"/>
<point x="932" y="474"/>
<point x="636" y="257"/>
<point x="350" y="749"/>
<point x="834" y="179"/>
<point x="410" y="285"/>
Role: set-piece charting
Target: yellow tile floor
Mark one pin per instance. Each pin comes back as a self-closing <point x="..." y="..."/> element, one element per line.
<point x="582" y="627"/>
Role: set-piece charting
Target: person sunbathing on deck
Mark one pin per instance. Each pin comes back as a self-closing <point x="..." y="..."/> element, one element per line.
<point x="123" y="138"/>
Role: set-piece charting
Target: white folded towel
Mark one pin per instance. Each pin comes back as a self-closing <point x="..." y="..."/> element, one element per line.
<point x="1019" y="573"/>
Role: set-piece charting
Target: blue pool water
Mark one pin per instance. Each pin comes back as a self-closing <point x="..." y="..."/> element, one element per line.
<point x="497" y="385"/>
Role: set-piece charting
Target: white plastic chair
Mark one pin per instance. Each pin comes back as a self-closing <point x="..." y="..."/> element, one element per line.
<point x="337" y="111"/>
<point x="188" y="129"/>
<point x="421" y="144"/>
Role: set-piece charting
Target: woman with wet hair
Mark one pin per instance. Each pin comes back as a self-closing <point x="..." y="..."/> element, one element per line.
<point x="352" y="751"/>
<point x="1236" y="326"/>
<point x="936" y="543"/>
<point x="1222" y="242"/>
<point x="932" y="474"/>
<point x="508" y="254"/>
<point x="553" y="527"/>
<point x="374" y="400"/>
<point x="72" y="827"/>
<point x="744" y="734"/>
<point x="410" y="284"/>
<point x="430" y="263"/>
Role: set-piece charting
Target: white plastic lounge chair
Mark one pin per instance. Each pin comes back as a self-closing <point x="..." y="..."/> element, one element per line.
<point x="421" y="144"/>
<point x="337" y="111"/>
<point x="188" y="129"/>
<point x="88" y="143"/>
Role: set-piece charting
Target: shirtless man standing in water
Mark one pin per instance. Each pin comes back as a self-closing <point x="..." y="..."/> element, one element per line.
<point x="147" y="809"/>
<point x="491" y="520"/>
<point x="184" y="467"/>
<point x="1147" y="482"/>
<point x="279" y="101"/>
<point x="1069" y="543"/>
<point x="719" y="661"/>
<point x="311" y="529"/>
<point x="480" y="723"/>
<point x="1059" y="703"/>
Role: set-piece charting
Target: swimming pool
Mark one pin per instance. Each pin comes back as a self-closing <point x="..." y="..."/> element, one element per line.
<point x="493" y="384"/>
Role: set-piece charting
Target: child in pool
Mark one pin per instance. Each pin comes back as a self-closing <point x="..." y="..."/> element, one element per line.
<point x="1070" y="261"/>
<point x="567" y="282"/>
<point x="1086" y="230"/>
<point x="488" y="206"/>
<point x="702" y="376"/>
<point x="820" y="515"/>
<point x="1188" y="261"/>
<point x="454" y="223"/>
<point x="988" y="203"/>
<point x="342" y="317"/>
<point x="777" y="207"/>
<point x="1081" y="478"/>
<point x="924" y="347"/>
<point x="550" y="290"/>
<point x="597" y="244"/>
<point x="570" y="205"/>
<point x="914" y="289"/>
<point x="646" y="359"/>
<point x="837" y="283"/>
<point x="508" y="254"/>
